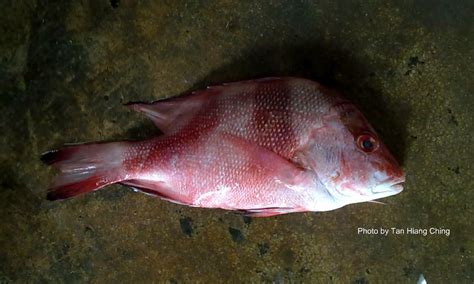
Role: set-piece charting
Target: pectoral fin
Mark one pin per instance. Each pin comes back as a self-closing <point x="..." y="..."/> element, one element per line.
<point x="283" y="170"/>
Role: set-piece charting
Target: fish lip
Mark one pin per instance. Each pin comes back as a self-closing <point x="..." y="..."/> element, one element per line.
<point x="393" y="187"/>
<point x="397" y="187"/>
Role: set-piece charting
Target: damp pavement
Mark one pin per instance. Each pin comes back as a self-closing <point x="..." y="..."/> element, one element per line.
<point x="66" y="68"/>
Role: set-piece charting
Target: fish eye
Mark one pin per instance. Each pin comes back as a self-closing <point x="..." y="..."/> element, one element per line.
<point x="367" y="143"/>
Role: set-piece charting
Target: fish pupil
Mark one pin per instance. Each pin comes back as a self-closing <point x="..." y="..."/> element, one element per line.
<point x="367" y="144"/>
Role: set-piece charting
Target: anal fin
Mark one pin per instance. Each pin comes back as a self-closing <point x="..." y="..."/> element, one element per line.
<point x="157" y="189"/>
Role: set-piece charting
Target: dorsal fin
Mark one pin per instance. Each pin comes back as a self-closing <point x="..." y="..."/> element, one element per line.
<point x="171" y="113"/>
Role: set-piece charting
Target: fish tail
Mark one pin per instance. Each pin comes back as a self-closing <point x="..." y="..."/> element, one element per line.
<point x="85" y="168"/>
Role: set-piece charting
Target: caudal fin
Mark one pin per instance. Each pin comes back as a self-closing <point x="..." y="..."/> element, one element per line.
<point x="85" y="168"/>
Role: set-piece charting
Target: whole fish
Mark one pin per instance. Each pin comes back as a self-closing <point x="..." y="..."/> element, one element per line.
<point x="263" y="147"/>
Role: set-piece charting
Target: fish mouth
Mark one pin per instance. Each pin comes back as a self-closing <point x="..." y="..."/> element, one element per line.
<point x="388" y="188"/>
<point x="398" y="187"/>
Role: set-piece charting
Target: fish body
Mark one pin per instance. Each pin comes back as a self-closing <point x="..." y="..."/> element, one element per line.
<point x="264" y="147"/>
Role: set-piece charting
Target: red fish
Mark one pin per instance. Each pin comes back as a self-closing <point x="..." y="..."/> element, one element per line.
<point x="263" y="147"/>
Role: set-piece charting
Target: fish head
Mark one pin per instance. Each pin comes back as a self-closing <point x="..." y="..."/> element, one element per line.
<point x="351" y="161"/>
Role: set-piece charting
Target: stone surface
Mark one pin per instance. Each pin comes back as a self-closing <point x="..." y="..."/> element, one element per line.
<point x="66" y="67"/>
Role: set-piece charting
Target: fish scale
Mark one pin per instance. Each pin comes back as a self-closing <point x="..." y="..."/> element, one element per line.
<point x="264" y="147"/>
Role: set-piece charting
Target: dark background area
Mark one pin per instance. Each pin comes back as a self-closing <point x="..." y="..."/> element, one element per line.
<point x="66" y="68"/>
